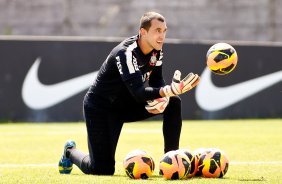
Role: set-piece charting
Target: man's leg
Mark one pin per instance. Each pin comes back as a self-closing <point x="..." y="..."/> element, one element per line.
<point x="103" y="129"/>
<point x="172" y="120"/>
<point x="172" y="124"/>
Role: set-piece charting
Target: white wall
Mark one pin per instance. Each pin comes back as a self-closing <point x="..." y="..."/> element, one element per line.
<point x="250" y="20"/>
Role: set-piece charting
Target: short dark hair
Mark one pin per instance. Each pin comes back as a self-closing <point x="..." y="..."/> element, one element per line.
<point x="145" y="21"/>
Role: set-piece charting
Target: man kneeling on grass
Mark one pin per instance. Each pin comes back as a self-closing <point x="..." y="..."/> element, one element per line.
<point x="119" y="95"/>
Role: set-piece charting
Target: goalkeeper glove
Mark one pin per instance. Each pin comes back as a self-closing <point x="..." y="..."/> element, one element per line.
<point x="157" y="106"/>
<point x="178" y="86"/>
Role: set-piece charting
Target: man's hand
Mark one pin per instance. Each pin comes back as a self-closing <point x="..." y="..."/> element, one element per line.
<point x="179" y="86"/>
<point x="157" y="106"/>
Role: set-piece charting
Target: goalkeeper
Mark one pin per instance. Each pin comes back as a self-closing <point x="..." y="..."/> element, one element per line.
<point x="119" y="95"/>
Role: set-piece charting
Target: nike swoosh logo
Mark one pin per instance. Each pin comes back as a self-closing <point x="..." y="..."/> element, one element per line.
<point x="40" y="96"/>
<point x="212" y="98"/>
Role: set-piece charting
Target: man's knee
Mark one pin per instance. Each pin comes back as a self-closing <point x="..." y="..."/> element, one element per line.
<point x="175" y="99"/>
<point x="97" y="168"/>
<point x="174" y="102"/>
<point x="174" y="107"/>
<point x="104" y="168"/>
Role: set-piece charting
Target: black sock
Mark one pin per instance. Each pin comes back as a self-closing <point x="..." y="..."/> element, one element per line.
<point x="81" y="160"/>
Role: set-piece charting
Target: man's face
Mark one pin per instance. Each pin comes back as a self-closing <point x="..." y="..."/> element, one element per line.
<point x="155" y="36"/>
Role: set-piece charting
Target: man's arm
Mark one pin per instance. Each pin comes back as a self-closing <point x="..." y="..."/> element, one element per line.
<point x="156" y="77"/>
<point x="133" y="79"/>
<point x="140" y="92"/>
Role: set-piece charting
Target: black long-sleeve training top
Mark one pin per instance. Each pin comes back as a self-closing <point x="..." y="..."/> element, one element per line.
<point x="125" y="72"/>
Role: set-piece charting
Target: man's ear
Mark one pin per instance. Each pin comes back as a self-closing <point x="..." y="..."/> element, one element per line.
<point x="142" y="32"/>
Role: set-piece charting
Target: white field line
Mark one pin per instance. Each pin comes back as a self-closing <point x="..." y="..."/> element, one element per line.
<point x="125" y="130"/>
<point x="231" y="163"/>
<point x="27" y="165"/>
<point x="142" y="131"/>
<point x="257" y="163"/>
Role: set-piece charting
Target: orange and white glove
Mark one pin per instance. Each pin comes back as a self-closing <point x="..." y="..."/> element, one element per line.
<point x="179" y="86"/>
<point x="157" y="106"/>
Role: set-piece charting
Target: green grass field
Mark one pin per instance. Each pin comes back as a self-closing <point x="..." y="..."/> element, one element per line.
<point x="29" y="152"/>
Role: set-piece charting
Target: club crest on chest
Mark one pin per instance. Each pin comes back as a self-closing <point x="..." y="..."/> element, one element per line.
<point x="153" y="59"/>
